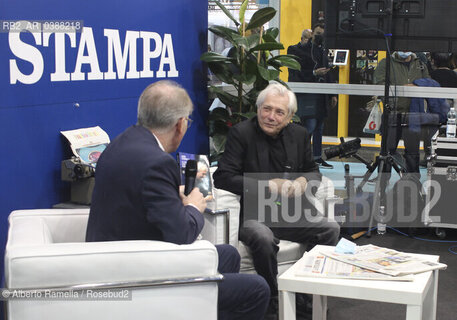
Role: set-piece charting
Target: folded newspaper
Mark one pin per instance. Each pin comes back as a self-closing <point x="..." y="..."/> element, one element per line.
<point x="386" y="261"/>
<point x="87" y="143"/>
<point x="318" y="265"/>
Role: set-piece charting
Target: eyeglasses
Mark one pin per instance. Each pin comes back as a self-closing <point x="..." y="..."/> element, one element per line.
<point x="189" y="122"/>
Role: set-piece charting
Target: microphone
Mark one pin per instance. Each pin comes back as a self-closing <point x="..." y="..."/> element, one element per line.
<point x="190" y="175"/>
<point x="287" y="170"/>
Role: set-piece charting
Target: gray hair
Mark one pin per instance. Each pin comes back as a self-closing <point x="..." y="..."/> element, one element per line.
<point x="279" y="89"/>
<point x="162" y="104"/>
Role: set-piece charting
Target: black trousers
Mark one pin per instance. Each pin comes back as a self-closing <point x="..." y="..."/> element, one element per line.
<point x="263" y="243"/>
<point x="240" y="296"/>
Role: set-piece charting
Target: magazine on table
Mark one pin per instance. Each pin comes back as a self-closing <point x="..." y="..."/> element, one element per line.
<point x="386" y="261"/>
<point x="319" y="265"/>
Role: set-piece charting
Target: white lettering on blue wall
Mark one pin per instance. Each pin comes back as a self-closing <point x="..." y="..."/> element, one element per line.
<point x="121" y="59"/>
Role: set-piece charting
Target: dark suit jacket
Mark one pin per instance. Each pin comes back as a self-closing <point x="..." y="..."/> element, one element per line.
<point x="310" y="105"/>
<point x="246" y="151"/>
<point x="136" y="195"/>
<point x="307" y="65"/>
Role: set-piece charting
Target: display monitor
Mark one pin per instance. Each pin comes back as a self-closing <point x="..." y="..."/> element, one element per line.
<point x="417" y="25"/>
<point x="341" y="57"/>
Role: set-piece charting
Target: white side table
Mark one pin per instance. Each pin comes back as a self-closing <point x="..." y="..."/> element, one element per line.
<point x="419" y="296"/>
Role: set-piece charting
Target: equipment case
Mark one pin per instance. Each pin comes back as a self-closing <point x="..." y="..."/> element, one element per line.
<point x="441" y="185"/>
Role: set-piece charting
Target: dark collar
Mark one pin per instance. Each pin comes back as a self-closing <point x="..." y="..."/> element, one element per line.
<point x="289" y="141"/>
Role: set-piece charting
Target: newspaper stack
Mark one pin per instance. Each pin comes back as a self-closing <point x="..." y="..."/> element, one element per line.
<point x="368" y="262"/>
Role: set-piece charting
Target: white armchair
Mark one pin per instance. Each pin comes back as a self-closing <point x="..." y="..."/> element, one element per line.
<point x="46" y="254"/>
<point x="217" y="231"/>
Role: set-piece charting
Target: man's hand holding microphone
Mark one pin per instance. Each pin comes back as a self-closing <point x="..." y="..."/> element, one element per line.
<point x="190" y="195"/>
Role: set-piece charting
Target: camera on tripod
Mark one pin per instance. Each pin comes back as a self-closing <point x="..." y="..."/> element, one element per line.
<point x="344" y="149"/>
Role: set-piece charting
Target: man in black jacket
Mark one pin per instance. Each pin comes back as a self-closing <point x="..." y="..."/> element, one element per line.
<point x="270" y="143"/>
<point x="312" y="108"/>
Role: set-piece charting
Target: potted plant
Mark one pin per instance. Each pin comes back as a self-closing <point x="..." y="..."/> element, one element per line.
<point x="249" y="67"/>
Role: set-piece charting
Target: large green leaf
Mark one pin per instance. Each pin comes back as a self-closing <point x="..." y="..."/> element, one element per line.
<point x="268" y="74"/>
<point x="268" y="46"/>
<point x="241" y="41"/>
<point x="287" y="61"/>
<point x="246" y="78"/>
<point x="222" y="71"/>
<point x="225" y="97"/>
<point x="224" y="32"/>
<point x="273" y="32"/>
<point x="243" y="8"/>
<point x="215" y="57"/>
<point x="227" y="13"/>
<point x="261" y="84"/>
<point x="275" y="64"/>
<point x="253" y="40"/>
<point x="263" y="72"/>
<point x="268" y="38"/>
<point x="260" y="17"/>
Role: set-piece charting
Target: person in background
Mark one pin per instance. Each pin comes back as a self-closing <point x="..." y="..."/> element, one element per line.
<point x="312" y="108"/>
<point x="405" y="68"/>
<point x="137" y="196"/>
<point x="453" y="64"/>
<point x="442" y="72"/>
<point x="447" y="78"/>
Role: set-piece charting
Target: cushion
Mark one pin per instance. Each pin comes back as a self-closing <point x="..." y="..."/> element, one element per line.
<point x="289" y="253"/>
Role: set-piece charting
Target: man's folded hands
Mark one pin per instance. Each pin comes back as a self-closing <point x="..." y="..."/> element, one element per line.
<point x="288" y="188"/>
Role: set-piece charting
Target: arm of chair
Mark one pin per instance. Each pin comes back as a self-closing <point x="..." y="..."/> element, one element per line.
<point x="95" y="263"/>
<point x="217" y="226"/>
<point x="222" y="227"/>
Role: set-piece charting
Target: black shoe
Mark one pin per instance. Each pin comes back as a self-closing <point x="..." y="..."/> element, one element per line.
<point x="323" y="164"/>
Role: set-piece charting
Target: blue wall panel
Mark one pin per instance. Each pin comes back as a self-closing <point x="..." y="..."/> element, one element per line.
<point x="32" y="115"/>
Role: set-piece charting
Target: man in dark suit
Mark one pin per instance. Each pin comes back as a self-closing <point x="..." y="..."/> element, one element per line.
<point x="269" y="143"/>
<point x="312" y="108"/>
<point x="137" y="196"/>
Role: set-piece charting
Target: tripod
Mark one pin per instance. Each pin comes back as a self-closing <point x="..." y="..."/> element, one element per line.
<point x="385" y="161"/>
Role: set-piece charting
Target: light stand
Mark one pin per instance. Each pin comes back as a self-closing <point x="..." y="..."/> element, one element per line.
<point x="385" y="161"/>
<point x="384" y="158"/>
